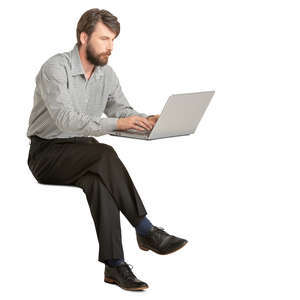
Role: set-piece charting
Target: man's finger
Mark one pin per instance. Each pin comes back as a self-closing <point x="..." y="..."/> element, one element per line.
<point x="152" y="122"/>
<point x="153" y="118"/>
<point x="140" y="128"/>
<point x="140" y="125"/>
<point x="146" y="123"/>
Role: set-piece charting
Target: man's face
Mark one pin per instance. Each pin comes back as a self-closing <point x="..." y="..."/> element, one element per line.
<point x="99" y="45"/>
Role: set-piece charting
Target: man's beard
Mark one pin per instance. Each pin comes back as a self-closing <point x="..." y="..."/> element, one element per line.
<point x="93" y="58"/>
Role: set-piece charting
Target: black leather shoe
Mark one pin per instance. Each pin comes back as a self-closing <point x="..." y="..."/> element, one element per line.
<point x="123" y="277"/>
<point x="159" y="241"/>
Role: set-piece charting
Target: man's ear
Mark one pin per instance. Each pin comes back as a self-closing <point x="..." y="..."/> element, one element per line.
<point x="83" y="38"/>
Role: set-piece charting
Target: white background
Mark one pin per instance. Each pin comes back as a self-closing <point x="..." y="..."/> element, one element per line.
<point x="231" y="189"/>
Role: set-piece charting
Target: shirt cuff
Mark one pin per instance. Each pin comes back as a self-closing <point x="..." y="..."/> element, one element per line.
<point x="108" y="124"/>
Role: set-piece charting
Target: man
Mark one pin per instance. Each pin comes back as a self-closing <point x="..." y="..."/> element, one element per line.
<point x="72" y="91"/>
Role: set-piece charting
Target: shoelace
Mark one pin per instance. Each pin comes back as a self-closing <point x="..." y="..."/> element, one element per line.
<point x="161" y="230"/>
<point x="126" y="269"/>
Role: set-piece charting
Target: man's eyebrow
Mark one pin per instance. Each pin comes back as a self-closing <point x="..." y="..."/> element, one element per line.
<point x="106" y="36"/>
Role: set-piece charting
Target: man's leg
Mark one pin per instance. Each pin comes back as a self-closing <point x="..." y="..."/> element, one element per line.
<point x="106" y="216"/>
<point x="65" y="162"/>
<point x="72" y="161"/>
<point x="118" y="181"/>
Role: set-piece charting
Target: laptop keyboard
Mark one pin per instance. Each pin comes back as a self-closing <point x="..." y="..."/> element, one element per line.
<point x="144" y="132"/>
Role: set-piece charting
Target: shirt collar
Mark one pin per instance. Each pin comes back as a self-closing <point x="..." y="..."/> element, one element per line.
<point x="76" y="66"/>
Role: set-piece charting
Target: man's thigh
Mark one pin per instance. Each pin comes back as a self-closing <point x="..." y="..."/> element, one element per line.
<point x="65" y="162"/>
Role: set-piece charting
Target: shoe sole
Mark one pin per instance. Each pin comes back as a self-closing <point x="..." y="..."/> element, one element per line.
<point x="112" y="281"/>
<point x="147" y="249"/>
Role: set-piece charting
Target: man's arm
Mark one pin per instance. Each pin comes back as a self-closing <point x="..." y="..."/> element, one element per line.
<point x="56" y="96"/>
<point x="117" y="105"/>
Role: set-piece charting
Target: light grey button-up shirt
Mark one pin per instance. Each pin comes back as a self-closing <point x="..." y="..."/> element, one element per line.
<point x="66" y="104"/>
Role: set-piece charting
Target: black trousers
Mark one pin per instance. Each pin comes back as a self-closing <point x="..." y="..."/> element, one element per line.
<point x="95" y="168"/>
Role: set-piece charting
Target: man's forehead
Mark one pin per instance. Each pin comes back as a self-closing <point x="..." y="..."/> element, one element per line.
<point x="102" y="29"/>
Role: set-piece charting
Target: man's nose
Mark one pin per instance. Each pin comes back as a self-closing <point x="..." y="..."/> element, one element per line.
<point x="110" y="47"/>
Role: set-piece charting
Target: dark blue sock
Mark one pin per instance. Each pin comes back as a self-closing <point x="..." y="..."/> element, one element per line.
<point x="114" y="262"/>
<point x="144" y="226"/>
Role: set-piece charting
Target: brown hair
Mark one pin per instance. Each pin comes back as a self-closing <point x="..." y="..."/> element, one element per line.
<point x="91" y="17"/>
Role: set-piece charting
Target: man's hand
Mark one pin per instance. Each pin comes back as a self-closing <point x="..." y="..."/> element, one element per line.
<point x="135" y="122"/>
<point x="153" y="119"/>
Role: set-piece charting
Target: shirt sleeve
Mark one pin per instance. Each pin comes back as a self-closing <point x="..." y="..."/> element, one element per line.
<point x="56" y="96"/>
<point x="117" y="105"/>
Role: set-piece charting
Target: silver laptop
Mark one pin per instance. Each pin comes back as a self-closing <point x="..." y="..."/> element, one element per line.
<point x="180" y="116"/>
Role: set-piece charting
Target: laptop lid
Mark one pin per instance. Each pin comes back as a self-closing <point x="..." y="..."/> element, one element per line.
<point x="181" y="114"/>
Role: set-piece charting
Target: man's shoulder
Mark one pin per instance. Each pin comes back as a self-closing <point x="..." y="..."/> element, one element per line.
<point x="56" y="63"/>
<point x="109" y="71"/>
<point x="59" y="59"/>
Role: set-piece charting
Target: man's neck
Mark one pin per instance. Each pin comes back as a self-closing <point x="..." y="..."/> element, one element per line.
<point x="88" y="68"/>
